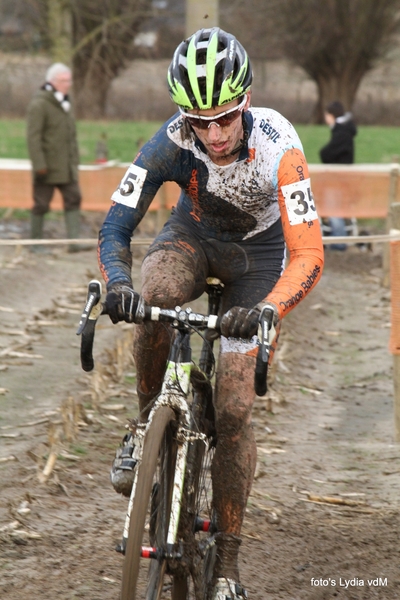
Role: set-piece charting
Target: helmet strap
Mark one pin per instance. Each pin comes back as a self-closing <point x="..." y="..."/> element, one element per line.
<point x="242" y="143"/>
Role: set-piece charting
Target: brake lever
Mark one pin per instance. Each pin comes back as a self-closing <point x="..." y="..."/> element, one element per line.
<point x="266" y="332"/>
<point x="93" y="307"/>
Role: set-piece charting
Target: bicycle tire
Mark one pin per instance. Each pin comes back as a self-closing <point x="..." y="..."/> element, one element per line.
<point x="197" y="497"/>
<point x="193" y="584"/>
<point x="153" y="491"/>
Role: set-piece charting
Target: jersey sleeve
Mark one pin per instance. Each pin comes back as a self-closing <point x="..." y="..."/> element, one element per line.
<point x="302" y="233"/>
<point x="152" y="166"/>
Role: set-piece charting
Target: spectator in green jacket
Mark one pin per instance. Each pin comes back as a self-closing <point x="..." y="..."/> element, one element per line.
<point x="53" y="150"/>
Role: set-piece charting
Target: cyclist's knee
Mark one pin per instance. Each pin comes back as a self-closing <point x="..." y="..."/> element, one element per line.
<point x="232" y="419"/>
<point x="168" y="279"/>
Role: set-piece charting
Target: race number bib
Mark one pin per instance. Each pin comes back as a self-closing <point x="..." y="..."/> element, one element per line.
<point x="299" y="202"/>
<point x="129" y="190"/>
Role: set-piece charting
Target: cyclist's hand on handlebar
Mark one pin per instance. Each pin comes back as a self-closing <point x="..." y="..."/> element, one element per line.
<point x="240" y="322"/>
<point x="243" y="322"/>
<point x="121" y="303"/>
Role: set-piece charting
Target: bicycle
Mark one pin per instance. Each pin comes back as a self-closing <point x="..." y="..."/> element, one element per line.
<point x="170" y="519"/>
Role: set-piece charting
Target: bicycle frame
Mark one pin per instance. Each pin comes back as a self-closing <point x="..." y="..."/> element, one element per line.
<point x="174" y="393"/>
<point x="191" y="427"/>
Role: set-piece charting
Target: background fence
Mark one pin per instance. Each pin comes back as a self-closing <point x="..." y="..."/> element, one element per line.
<point x="361" y="191"/>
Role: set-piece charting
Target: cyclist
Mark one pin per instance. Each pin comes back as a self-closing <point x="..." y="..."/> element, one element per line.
<point x="245" y="194"/>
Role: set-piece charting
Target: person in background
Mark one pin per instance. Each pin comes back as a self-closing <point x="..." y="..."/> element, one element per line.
<point x="339" y="150"/>
<point x="53" y="150"/>
<point x="102" y="149"/>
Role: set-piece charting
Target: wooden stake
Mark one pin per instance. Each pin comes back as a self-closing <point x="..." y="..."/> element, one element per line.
<point x="395" y="218"/>
<point x="393" y="183"/>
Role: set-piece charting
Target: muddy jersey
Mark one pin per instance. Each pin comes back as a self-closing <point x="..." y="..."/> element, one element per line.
<point x="268" y="181"/>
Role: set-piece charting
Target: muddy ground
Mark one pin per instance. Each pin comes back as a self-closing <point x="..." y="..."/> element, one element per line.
<point x="323" y="517"/>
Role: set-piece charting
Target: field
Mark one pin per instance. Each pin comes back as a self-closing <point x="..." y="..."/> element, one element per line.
<point x="323" y="517"/>
<point x="373" y="144"/>
<point x="124" y="138"/>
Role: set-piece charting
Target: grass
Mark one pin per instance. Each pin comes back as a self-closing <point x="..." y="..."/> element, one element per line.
<point x="124" y="138"/>
<point x="372" y="144"/>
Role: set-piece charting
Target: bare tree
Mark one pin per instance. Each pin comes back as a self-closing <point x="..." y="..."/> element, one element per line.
<point x="103" y="34"/>
<point x="95" y="37"/>
<point x="337" y="42"/>
<point x="253" y="22"/>
<point x="59" y="28"/>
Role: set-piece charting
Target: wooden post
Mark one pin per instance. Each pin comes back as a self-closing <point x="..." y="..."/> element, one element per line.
<point x="396" y="404"/>
<point x="393" y="183"/>
<point x="395" y="343"/>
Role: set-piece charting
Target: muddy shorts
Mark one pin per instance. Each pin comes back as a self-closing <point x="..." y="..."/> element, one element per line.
<point x="248" y="269"/>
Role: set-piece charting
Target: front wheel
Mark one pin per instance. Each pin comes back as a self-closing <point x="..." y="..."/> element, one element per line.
<point x="197" y="519"/>
<point x="149" y="519"/>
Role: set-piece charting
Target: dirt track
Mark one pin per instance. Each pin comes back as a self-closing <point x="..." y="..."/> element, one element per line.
<point x="326" y="431"/>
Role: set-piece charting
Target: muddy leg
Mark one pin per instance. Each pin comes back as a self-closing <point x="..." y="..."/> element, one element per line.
<point x="168" y="280"/>
<point x="235" y="456"/>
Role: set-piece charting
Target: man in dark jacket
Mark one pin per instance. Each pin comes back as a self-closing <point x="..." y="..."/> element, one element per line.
<point x="339" y="150"/>
<point x="53" y="150"/>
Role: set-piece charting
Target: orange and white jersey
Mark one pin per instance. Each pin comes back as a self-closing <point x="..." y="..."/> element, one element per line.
<point x="269" y="181"/>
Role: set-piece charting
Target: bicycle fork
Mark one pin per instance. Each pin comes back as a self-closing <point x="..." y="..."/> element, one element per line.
<point x="173" y="394"/>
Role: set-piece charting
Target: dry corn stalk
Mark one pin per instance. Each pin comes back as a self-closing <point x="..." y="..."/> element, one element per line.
<point x="71" y="412"/>
<point x="334" y="500"/>
<point x="54" y="434"/>
<point x="98" y="386"/>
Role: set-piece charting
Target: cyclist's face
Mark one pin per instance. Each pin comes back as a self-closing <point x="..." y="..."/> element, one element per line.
<point x="220" y="141"/>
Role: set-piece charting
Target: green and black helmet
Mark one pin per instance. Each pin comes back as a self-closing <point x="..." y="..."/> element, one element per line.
<point x="209" y="69"/>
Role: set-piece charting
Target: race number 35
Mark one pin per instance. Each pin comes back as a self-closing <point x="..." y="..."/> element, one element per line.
<point x="299" y="202"/>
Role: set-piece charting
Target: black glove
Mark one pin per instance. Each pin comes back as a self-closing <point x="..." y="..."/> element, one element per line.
<point x="122" y="302"/>
<point x="240" y="322"/>
<point x="243" y="322"/>
<point x="40" y="175"/>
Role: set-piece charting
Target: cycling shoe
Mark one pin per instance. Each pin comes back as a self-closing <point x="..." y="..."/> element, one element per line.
<point x="227" y="589"/>
<point x="122" y="470"/>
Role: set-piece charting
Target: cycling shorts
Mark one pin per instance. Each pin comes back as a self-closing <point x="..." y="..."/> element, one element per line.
<point x="248" y="269"/>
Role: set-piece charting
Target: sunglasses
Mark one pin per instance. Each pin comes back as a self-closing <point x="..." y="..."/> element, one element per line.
<point x="221" y="120"/>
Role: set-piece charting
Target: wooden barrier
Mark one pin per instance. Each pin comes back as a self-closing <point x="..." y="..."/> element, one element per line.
<point x="360" y="191"/>
<point x="97" y="185"/>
